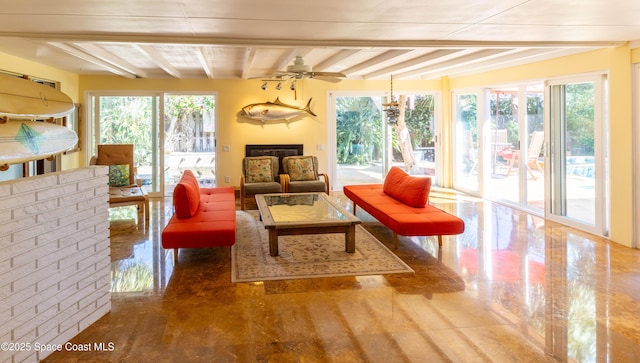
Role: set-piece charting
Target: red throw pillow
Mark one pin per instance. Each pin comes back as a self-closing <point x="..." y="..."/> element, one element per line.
<point x="410" y="190"/>
<point x="188" y="175"/>
<point x="186" y="196"/>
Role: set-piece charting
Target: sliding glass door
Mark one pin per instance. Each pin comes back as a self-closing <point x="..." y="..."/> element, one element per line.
<point x="466" y="153"/>
<point x="361" y="150"/>
<point x="132" y="120"/>
<point x="515" y="146"/>
<point x="366" y="145"/>
<point x="170" y="133"/>
<point x="578" y="153"/>
<point x="189" y="139"/>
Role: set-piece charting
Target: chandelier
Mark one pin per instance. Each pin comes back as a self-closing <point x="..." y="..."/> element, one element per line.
<point x="392" y="111"/>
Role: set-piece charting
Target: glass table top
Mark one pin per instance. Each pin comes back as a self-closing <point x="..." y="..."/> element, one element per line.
<point x="301" y="207"/>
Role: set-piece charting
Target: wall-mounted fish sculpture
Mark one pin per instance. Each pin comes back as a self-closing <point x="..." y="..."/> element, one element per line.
<point x="277" y="110"/>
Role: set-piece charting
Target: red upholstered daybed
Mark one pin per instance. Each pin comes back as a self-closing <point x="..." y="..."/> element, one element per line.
<point x="204" y="217"/>
<point x="401" y="205"/>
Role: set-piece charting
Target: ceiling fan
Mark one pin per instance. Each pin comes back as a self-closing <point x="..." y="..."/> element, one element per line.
<point x="300" y="70"/>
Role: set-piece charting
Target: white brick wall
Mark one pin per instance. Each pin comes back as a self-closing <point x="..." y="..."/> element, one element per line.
<point x="54" y="259"/>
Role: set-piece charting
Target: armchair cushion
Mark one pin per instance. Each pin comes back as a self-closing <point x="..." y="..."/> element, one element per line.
<point x="307" y="186"/>
<point x="410" y="190"/>
<point x="262" y="188"/>
<point x="119" y="175"/>
<point x="258" y="170"/>
<point x="301" y="168"/>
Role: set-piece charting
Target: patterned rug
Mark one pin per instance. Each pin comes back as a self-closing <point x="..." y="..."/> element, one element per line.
<point x="306" y="256"/>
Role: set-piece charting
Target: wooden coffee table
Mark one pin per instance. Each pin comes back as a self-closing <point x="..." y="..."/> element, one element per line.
<point x="305" y="213"/>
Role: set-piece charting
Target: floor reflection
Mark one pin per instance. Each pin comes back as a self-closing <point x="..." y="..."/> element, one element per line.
<point x="138" y="262"/>
<point x="552" y="282"/>
<point x="513" y="287"/>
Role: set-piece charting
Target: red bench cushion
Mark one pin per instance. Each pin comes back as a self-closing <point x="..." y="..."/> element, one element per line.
<point x="410" y="190"/>
<point x="401" y="218"/>
<point x="213" y="224"/>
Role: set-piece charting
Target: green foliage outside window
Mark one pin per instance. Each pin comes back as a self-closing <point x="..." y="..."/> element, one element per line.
<point x="580" y="118"/>
<point x="181" y="113"/>
<point x="128" y="120"/>
<point x="419" y="120"/>
<point x="358" y="130"/>
<point x="359" y="127"/>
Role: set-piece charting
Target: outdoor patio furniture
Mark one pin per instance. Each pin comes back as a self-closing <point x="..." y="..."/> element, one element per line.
<point x="533" y="154"/>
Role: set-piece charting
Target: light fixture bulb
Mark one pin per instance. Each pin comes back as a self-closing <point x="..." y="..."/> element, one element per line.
<point x="264" y="86"/>
<point x="279" y="86"/>
<point x="392" y="115"/>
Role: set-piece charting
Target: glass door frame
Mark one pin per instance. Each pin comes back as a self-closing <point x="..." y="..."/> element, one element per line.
<point x="163" y="145"/>
<point x="387" y="130"/>
<point x="601" y="194"/>
<point x="635" y="104"/>
<point x="332" y="137"/>
<point x="481" y="116"/>
<point x="522" y="176"/>
<point x="93" y="131"/>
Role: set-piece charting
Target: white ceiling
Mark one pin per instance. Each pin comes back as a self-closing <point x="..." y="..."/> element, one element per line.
<point x="365" y="39"/>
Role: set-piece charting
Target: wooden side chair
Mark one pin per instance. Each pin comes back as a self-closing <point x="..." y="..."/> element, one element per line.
<point x="123" y="188"/>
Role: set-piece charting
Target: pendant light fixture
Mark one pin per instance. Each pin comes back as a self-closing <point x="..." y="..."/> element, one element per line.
<point x="392" y="111"/>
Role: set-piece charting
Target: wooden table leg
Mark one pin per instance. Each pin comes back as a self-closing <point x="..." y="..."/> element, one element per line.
<point x="273" y="242"/>
<point x="350" y="239"/>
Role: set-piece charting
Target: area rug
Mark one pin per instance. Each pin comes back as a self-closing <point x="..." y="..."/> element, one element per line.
<point x="306" y="256"/>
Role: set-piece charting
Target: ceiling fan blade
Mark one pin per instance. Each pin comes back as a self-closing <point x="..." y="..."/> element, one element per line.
<point x="321" y="76"/>
<point x="327" y="79"/>
<point x="328" y="74"/>
<point x="284" y="75"/>
<point x="266" y="76"/>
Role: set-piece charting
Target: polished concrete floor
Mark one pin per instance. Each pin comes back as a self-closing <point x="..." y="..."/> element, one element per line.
<point x="512" y="288"/>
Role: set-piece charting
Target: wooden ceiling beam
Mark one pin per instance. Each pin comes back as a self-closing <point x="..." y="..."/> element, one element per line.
<point x="79" y="53"/>
<point x="157" y="58"/>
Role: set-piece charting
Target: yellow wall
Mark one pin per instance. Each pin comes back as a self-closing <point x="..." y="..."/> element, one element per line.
<point x="635" y="55"/>
<point x="621" y="146"/>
